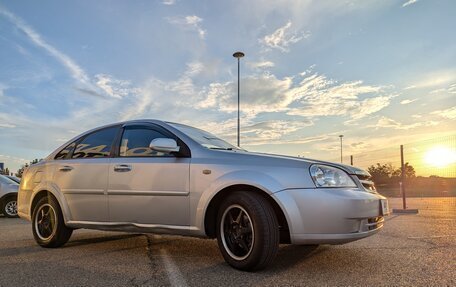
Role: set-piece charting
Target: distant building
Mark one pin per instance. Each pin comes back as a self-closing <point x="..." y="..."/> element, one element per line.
<point x="2" y="166"/>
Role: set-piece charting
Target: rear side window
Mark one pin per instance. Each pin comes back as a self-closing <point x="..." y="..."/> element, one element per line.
<point x="64" y="152"/>
<point x="136" y="141"/>
<point x="97" y="144"/>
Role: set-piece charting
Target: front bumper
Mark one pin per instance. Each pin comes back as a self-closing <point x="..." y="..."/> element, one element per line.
<point x="330" y="215"/>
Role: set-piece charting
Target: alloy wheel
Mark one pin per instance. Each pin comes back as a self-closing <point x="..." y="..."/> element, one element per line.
<point x="237" y="232"/>
<point x="11" y="208"/>
<point x="45" y="222"/>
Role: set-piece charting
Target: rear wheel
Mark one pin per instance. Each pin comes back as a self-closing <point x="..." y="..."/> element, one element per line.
<point x="10" y="207"/>
<point x="48" y="225"/>
<point x="247" y="231"/>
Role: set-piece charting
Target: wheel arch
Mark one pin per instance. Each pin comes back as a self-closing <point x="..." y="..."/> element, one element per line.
<point x="44" y="193"/>
<point x="8" y="195"/>
<point x="5" y="197"/>
<point x="210" y="216"/>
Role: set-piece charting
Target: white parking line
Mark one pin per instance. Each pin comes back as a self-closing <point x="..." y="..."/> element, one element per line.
<point x="431" y="236"/>
<point x="175" y="276"/>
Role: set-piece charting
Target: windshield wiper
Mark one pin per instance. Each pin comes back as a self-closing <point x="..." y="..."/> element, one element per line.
<point x="222" y="148"/>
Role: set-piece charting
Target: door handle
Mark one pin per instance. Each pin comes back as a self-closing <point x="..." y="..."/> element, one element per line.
<point x="66" y="168"/>
<point x="122" y="168"/>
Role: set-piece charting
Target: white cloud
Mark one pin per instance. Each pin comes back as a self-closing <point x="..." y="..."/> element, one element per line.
<point x="104" y="85"/>
<point x="282" y="38"/>
<point x="216" y="103"/>
<point x="254" y="132"/>
<point x="261" y="64"/>
<point x="409" y="2"/>
<point x="6" y="126"/>
<point x="448" y="113"/>
<point x="213" y="106"/>
<point x="77" y="72"/>
<point x="434" y="79"/>
<point x="308" y="71"/>
<point x="319" y="96"/>
<point x="408" y="101"/>
<point x="261" y="93"/>
<point x="191" y="23"/>
<point x="385" y="122"/>
<point x="437" y="91"/>
<point x="359" y="146"/>
<point x="369" y="106"/>
<point x="272" y="130"/>
<point x="251" y="142"/>
<point x="309" y="96"/>
<point x="114" y="87"/>
<point x="452" y="89"/>
<point x="169" y="2"/>
<point x="159" y="98"/>
<point x="19" y="160"/>
<point x="194" y="68"/>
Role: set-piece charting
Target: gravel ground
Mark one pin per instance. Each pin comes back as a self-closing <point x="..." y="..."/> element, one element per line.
<point x="411" y="250"/>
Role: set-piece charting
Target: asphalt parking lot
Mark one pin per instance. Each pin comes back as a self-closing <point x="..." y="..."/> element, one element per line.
<point x="411" y="250"/>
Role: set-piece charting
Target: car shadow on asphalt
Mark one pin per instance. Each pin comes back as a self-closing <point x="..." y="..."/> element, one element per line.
<point x="16" y="251"/>
<point x="288" y="257"/>
<point x="3" y="216"/>
<point x="34" y="248"/>
<point x="100" y="239"/>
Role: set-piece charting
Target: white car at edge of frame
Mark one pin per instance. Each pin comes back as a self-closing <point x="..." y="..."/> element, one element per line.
<point x="8" y="196"/>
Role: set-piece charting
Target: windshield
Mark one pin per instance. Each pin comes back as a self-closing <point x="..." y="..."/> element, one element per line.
<point x="204" y="138"/>
<point x="5" y="180"/>
<point x="15" y="179"/>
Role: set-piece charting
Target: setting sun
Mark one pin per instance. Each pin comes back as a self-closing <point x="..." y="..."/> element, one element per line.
<point x="440" y="157"/>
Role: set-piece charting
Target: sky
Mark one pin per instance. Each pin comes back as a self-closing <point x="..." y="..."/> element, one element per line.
<point x="381" y="73"/>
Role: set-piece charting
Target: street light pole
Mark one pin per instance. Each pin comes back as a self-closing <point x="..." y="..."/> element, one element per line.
<point x="239" y="55"/>
<point x="341" y="136"/>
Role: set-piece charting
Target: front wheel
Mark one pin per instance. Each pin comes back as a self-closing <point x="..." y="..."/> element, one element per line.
<point x="247" y="231"/>
<point x="48" y="226"/>
<point x="10" y="207"/>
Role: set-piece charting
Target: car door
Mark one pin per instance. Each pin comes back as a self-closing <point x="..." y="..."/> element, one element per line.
<point x="146" y="186"/>
<point x="81" y="174"/>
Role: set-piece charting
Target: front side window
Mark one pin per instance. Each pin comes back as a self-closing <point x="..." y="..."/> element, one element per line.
<point x="135" y="143"/>
<point x="97" y="144"/>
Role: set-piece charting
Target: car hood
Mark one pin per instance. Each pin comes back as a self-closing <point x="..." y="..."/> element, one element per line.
<point x="8" y="188"/>
<point x="293" y="159"/>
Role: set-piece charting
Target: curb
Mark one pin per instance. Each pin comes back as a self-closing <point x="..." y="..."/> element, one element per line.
<point x="405" y="211"/>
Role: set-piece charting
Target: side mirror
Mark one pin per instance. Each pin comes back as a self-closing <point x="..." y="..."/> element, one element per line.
<point x="164" y="145"/>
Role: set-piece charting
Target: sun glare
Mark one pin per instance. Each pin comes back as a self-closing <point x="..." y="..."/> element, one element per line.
<point x="440" y="157"/>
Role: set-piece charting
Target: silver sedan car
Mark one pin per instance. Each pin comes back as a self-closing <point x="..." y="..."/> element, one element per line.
<point x="161" y="177"/>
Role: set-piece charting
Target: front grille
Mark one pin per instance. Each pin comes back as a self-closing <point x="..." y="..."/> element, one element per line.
<point x="375" y="222"/>
<point x="366" y="181"/>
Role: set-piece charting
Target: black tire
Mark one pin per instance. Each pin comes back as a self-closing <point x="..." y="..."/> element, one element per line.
<point x="235" y="234"/>
<point x="48" y="226"/>
<point x="9" y="208"/>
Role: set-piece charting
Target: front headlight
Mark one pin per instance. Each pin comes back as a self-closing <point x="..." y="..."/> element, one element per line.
<point x="328" y="176"/>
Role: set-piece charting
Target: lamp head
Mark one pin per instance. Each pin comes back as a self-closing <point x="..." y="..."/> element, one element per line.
<point x="238" y="55"/>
